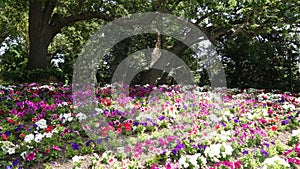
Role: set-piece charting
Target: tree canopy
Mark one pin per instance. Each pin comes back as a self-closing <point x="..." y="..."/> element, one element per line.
<point x="258" y="39"/>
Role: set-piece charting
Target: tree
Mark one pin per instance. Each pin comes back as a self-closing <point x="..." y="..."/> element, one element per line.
<point x="46" y="20"/>
<point x="13" y="20"/>
<point x="221" y="21"/>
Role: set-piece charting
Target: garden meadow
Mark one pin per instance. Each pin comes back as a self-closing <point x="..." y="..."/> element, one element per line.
<point x="188" y="128"/>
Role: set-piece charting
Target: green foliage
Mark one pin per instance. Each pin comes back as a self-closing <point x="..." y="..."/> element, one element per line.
<point x="258" y="40"/>
<point x="38" y="75"/>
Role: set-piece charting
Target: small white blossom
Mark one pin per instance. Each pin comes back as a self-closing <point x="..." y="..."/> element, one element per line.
<point x="48" y="135"/>
<point x="182" y="162"/>
<point x="38" y="137"/>
<point x="66" y="117"/>
<point x="80" y="116"/>
<point x="77" y="159"/>
<point x="11" y="151"/>
<point x="23" y="154"/>
<point x="41" y="124"/>
<point x="28" y="138"/>
<point x="8" y="147"/>
<point x="296" y="132"/>
<point x="273" y="161"/>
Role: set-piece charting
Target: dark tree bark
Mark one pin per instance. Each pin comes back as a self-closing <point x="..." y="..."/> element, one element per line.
<point x="40" y="34"/>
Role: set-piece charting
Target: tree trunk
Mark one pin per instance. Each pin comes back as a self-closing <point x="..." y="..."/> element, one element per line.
<point x="39" y="37"/>
<point x="150" y="76"/>
<point x="37" y="54"/>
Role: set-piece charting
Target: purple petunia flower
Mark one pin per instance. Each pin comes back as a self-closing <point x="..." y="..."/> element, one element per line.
<point x="284" y="122"/>
<point x="202" y="147"/>
<point x="20" y="127"/>
<point x="161" y="118"/>
<point x="110" y="123"/>
<point x="75" y="146"/>
<point x="264" y="152"/>
<point x="88" y="143"/>
<point x="267" y="145"/>
<point x="99" y="141"/>
<point x="245" y="152"/>
<point x="16" y="162"/>
<point x="136" y="123"/>
<point x="7" y="133"/>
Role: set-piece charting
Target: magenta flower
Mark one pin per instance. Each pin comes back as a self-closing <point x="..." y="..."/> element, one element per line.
<point x="30" y="156"/>
<point x="56" y="148"/>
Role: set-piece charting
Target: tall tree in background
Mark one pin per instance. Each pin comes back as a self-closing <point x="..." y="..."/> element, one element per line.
<point x="47" y="18"/>
<point x="222" y="21"/>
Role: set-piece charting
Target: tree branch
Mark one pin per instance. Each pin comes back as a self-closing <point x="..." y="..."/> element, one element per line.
<point x="60" y="23"/>
<point x="47" y="12"/>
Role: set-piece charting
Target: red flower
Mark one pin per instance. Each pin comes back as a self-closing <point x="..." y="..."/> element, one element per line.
<point x="271" y="120"/>
<point x="34" y="119"/>
<point x="49" y="129"/>
<point x="106" y="102"/>
<point x="217" y="126"/>
<point x="11" y="121"/>
<point x="103" y="131"/>
<point x="274" y="128"/>
<point x="237" y="164"/>
<point x="23" y="135"/>
<point x="119" y="130"/>
<point x="127" y="126"/>
<point x="48" y="150"/>
<point x="4" y="137"/>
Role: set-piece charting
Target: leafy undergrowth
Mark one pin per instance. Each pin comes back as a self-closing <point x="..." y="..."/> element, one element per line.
<point x="153" y="127"/>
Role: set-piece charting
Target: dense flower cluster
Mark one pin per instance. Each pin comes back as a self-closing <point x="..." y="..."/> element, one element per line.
<point x="167" y="126"/>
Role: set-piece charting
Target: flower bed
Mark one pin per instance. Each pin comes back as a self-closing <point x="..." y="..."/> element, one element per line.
<point x="180" y="127"/>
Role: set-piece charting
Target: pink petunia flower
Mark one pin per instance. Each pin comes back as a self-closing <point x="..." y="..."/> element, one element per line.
<point x="30" y="156"/>
<point x="56" y="148"/>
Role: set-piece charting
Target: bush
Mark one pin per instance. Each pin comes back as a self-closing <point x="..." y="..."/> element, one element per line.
<point x="37" y="75"/>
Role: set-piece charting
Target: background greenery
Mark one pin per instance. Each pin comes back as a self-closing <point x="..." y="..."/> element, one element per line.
<point x="258" y="40"/>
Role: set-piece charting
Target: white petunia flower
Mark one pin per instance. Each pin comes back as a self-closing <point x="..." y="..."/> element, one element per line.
<point x="80" y="116"/>
<point x="288" y="106"/>
<point x="11" y="151"/>
<point x="193" y="160"/>
<point x="203" y="160"/>
<point x="64" y="103"/>
<point x="23" y="154"/>
<point x="228" y="149"/>
<point x="38" y="137"/>
<point x="28" y="138"/>
<point x="66" y="117"/>
<point x="182" y="162"/>
<point x="273" y="161"/>
<point x="41" y="124"/>
<point x="48" y="135"/>
<point x="296" y="132"/>
<point x="77" y="159"/>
